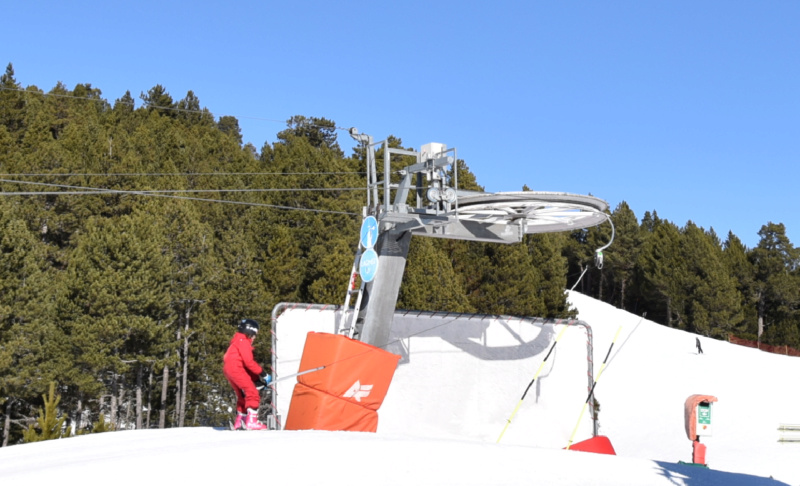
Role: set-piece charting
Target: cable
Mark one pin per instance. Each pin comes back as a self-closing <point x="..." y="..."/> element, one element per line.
<point x="97" y="190"/>
<point x="146" y="193"/>
<point x="171" y="174"/>
<point x="170" y="191"/>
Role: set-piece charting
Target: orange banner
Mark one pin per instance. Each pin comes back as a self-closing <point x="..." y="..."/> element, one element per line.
<point x="354" y="371"/>
<point x="347" y="392"/>
<point x="313" y="409"/>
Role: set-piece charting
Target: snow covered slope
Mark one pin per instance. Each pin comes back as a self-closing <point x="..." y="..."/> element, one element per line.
<point x="457" y="384"/>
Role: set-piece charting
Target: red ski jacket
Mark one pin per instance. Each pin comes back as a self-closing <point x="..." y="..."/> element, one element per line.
<point x="238" y="361"/>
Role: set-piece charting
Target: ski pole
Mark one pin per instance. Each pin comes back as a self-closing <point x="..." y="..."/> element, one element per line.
<point x="519" y="404"/>
<point x="293" y="375"/>
<point x="591" y="392"/>
<point x="301" y="373"/>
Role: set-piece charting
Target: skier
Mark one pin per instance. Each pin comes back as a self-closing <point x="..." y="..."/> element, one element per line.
<point x="699" y="348"/>
<point x="241" y="371"/>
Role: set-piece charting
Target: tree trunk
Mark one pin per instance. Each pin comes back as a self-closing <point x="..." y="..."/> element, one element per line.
<point x="149" y="394"/>
<point x="600" y="286"/>
<point x="176" y="416"/>
<point x="113" y="411"/>
<point x="162" y="416"/>
<point x="7" y="422"/>
<point x="78" y="415"/>
<point x="139" y="397"/>
<point x="185" y="386"/>
<point x="669" y="312"/>
<point x="128" y="409"/>
<point x="761" y="306"/>
<point x="185" y="374"/>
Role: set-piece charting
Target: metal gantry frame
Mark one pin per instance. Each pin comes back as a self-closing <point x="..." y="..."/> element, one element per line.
<point x="274" y="422"/>
<point x="443" y="210"/>
<point x="440" y="209"/>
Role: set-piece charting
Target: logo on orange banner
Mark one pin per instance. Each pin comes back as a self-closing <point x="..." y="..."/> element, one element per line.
<point x="358" y="391"/>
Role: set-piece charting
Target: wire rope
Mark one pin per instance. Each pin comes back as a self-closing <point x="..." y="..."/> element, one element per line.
<point x="170" y="174"/>
<point x="146" y="193"/>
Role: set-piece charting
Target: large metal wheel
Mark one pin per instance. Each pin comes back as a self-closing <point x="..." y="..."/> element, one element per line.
<point x="542" y="212"/>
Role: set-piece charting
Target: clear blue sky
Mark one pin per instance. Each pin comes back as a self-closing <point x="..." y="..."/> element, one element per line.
<point x="689" y="108"/>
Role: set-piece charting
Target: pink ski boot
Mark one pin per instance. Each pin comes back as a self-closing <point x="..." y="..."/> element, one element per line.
<point x="238" y="424"/>
<point x="252" y="422"/>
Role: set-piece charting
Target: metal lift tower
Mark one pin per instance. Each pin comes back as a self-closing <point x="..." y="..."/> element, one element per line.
<point x="425" y="200"/>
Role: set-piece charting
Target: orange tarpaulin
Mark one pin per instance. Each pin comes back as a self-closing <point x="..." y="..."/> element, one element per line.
<point x="353" y="370"/>
<point x="690" y="412"/>
<point x="313" y="409"/>
<point x="354" y="381"/>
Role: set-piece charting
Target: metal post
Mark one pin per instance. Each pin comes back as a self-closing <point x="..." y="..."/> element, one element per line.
<point x="381" y="294"/>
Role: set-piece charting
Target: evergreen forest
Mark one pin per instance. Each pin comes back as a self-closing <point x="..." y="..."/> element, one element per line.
<point x="132" y="239"/>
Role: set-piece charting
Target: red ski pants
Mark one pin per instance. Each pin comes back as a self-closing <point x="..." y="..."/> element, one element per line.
<point x="246" y="393"/>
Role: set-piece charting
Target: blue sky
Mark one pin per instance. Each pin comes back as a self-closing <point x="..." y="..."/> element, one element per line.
<point x="688" y="108"/>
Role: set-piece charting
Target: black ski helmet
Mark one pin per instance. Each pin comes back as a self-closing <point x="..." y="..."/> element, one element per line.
<point x="248" y="327"/>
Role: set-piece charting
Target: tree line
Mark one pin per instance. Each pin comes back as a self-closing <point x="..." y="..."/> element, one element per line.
<point x="132" y="239"/>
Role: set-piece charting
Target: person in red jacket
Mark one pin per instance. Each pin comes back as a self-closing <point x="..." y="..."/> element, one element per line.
<point x="241" y="371"/>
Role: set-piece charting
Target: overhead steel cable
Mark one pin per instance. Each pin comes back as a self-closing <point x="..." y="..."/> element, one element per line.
<point x="96" y="190"/>
<point x="171" y="191"/>
<point x="172" y="174"/>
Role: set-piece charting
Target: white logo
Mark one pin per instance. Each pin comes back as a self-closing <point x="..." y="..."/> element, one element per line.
<point x="358" y="391"/>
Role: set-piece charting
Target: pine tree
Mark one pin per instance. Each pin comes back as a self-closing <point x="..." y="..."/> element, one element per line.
<point x="49" y="424"/>
<point x="429" y="282"/>
<point x="12" y="103"/>
<point x="509" y="283"/>
<point x="661" y="272"/>
<point x="118" y="310"/>
<point x="546" y="252"/>
<point x="743" y="272"/>
<point x="620" y="259"/>
<point x="777" y="288"/>
<point x="33" y="349"/>
<point x="713" y="301"/>
<point x="319" y="132"/>
<point x="157" y="99"/>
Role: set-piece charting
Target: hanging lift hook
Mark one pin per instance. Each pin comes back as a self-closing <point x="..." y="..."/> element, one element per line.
<point x="598" y="253"/>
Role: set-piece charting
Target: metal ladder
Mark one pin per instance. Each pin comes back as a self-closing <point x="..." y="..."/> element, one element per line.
<point x="350" y="316"/>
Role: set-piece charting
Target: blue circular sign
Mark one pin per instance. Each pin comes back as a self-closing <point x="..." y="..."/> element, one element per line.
<point x="369" y="232"/>
<point x="368" y="265"/>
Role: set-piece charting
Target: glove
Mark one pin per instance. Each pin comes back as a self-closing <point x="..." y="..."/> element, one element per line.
<point x="266" y="379"/>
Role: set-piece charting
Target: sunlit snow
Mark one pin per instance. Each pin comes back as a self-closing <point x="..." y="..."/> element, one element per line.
<point x="458" y="382"/>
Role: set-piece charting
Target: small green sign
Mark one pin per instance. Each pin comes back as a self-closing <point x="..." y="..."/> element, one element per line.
<point x="704" y="414"/>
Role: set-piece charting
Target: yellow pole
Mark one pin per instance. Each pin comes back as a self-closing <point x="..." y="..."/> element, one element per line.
<point x="591" y="392"/>
<point x="519" y="404"/>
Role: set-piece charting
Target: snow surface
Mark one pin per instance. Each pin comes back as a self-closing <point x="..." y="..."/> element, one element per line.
<point x="456" y="386"/>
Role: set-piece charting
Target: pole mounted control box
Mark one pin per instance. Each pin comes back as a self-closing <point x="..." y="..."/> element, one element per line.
<point x="697" y="416"/>
<point x="697" y="419"/>
<point x="703" y="419"/>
